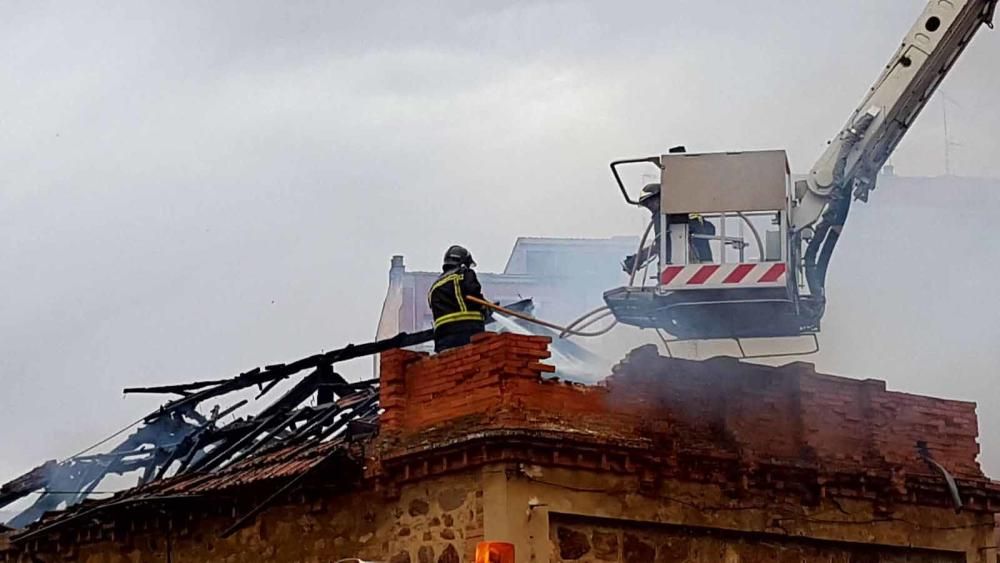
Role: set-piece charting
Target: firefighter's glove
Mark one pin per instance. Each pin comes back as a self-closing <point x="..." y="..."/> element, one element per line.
<point x="628" y="264"/>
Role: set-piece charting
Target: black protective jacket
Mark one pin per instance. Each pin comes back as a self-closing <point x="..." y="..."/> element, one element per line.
<point x="452" y="312"/>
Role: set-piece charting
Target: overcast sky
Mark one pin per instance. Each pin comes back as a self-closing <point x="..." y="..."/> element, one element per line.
<point x="191" y="189"/>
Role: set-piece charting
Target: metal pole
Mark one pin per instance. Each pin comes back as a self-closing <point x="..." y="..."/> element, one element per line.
<point x="723" y="244"/>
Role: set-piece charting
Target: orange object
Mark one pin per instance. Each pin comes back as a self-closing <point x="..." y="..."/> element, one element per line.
<point x="494" y="552"/>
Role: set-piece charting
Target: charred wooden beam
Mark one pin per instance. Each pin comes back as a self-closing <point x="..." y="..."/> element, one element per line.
<point x="324" y="391"/>
<point x="179" y="388"/>
<point x="26" y="484"/>
<point x="282" y="371"/>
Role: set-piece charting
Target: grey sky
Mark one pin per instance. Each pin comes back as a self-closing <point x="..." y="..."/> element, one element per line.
<point x="189" y="189"/>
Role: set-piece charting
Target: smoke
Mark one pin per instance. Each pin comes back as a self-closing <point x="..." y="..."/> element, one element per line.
<point x="56" y="485"/>
<point x="185" y="184"/>
<point x="911" y="301"/>
<point x="573" y="361"/>
<point x="912" y="298"/>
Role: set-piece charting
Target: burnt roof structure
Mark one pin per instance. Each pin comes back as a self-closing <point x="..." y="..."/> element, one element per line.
<point x="178" y="450"/>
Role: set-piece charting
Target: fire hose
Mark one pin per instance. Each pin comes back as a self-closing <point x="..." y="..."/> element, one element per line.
<point x="575" y="328"/>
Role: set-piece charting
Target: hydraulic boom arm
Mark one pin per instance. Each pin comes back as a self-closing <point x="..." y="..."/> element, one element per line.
<point x="855" y="156"/>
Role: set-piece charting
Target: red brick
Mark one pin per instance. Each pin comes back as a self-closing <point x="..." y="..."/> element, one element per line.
<point x="765" y="412"/>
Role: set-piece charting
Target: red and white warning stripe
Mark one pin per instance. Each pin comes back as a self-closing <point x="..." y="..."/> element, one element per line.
<point x="714" y="276"/>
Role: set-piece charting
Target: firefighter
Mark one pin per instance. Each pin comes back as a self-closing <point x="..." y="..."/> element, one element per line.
<point x="650" y="199"/>
<point x="455" y="318"/>
<point x="699" y="248"/>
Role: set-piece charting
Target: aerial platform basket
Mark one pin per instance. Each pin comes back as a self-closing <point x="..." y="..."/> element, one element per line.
<point x="720" y="263"/>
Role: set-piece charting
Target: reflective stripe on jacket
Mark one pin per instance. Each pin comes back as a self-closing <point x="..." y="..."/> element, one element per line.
<point x="447" y="298"/>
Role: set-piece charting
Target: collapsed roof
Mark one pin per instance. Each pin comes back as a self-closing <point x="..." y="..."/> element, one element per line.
<point x="178" y="450"/>
<point x="311" y="422"/>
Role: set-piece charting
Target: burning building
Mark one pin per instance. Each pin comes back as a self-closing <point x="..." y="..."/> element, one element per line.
<point x="664" y="460"/>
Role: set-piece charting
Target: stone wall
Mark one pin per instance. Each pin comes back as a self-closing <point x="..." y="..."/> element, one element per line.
<point x="583" y="540"/>
<point x="318" y="530"/>
<point x="433" y="521"/>
<point x="437" y="521"/>
<point x="748" y="526"/>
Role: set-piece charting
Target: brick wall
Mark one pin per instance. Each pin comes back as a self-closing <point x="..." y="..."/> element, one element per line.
<point x="496" y="381"/>
<point x="761" y="412"/>
<point x="794" y="412"/>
